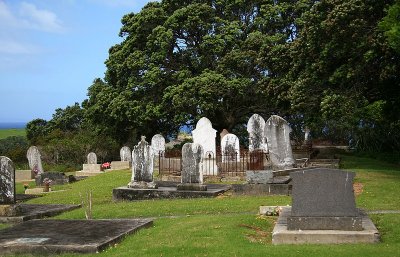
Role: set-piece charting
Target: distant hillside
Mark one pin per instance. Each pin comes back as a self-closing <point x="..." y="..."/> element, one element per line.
<point x="12" y="125"/>
<point x="4" y="133"/>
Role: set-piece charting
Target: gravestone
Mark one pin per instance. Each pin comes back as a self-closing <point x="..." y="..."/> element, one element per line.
<point x="91" y="158"/>
<point x="223" y="133"/>
<point x="125" y="154"/>
<point x="323" y="199"/>
<point x="205" y="135"/>
<point x="91" y="167"/>
<point x="7" y="183"/>
<point x="158" y="144"/>
<point x="277" y="133"/>
<point x="34" y="160"/>
<point x="142" y="166"/>
<point x="255" y="127"/>
<point x="192" y="161"/>
<point x="230" y="148"/>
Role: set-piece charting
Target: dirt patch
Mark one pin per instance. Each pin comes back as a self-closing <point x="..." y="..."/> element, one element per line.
<point x="358" y="188"/>
<point x="257" y="235"/>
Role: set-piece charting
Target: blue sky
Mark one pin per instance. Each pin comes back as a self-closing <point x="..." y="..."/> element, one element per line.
<point x="52" y="50"/>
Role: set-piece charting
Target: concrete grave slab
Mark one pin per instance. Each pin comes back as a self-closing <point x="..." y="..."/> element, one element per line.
<point x="37" y="211"/>
<point x="281" y="235"/>
<point x="47" y="237"/>
<point x="167" y="191"/>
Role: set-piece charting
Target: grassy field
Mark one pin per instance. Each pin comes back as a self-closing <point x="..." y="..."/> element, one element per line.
<point x="229" y="225"/>
<point x="4" y="133"/>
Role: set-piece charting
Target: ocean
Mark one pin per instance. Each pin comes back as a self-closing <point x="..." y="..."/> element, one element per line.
<point x="12" y="125"/>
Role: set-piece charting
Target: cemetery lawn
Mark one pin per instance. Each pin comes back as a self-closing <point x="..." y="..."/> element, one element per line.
<point x="229" y="225"/>
<point x="4" y="133"/>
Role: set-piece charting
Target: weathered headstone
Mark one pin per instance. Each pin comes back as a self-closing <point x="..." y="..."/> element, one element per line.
<point x="223" y="133"/>
<point x="125" y="154"/>
<point x="34" y="160"/>
<point x="277" y="133"/>
<point x="158" y="144"/>
<point x="192" y="176"/>
<point x="7" y="183"/>
<point x="255" y="127"/>
<point x="230" y="148"/>
<point x="307" y="135"/>
<point x="142" y="166"/>
<point x="323" y="199"/>
<point x="204" y="135"/>
<point x="91" y="158"/>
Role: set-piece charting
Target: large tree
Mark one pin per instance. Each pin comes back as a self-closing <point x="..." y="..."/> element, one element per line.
<point x="180" y="61"/>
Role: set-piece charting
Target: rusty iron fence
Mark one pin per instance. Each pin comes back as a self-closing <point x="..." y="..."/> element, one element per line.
<point x="227" y="164"/>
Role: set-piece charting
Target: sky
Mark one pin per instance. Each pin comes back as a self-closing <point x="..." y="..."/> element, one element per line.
<point x="52" y="50"/>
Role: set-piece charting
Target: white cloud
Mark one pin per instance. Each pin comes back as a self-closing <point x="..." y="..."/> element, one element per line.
<point x="120" y="3"/>
<point x="40" y="19"/>
<point x="28" y="16"/>
<point x="11" y="46"/>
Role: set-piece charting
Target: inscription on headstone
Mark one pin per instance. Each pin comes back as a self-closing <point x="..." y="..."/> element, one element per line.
<point x="158" y="144"/>
<point x="142" y="166"/>
<point x="125" y="154"/>
<point x="34" y="160"/>
<point x="277" y="132"/>
<point x="323" y="199"/>
<point x="7" y="183"/>
<point x="255" y="127"/>
<point x="92" y="158"/>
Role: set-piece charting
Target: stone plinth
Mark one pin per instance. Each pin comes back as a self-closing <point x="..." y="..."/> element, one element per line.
<point x="259" y="176"/>
<point x="192" y="187"/>
<point x="120" y="165"/>
<point x="9" y="210"/>
<point x="281" y="235"/>
<point x="92" y="167"/>
<point x="142" y="184"/>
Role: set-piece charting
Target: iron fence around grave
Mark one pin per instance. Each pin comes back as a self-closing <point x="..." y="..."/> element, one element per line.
<point x="227" y="165"/>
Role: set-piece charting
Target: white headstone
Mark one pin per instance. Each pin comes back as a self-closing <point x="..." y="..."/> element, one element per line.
<point x="192" y="155"/>
<point x="92" y="158"/>
<point x="204" y="135"/>
<point x="255" y="127"/>
<point x="230" y="148"/>
<point x="7" y="182"/>
<point x="158" y="144"/>
<point x="34" y="160"/>
<point x="125" y="154"/>
<point x="277" y="132"/>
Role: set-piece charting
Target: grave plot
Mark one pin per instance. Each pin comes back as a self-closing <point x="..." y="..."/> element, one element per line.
<point x="57" y="236"/>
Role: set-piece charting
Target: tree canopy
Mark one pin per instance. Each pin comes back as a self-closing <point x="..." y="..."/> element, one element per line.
<point x="331" y="65"/>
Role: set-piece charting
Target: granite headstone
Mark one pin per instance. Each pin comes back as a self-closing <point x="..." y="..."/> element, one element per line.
<point x="230" y="148"/>
<point x="91" y="158"/>
<point x="125" y="154"/>
<point x="323" y="199"/>
<point x="158" y="144"/>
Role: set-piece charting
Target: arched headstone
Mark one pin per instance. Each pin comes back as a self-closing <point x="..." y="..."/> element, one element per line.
<point x="34" y="160"/>
<point x="125" y="154"/>
<point x="158" y="144"/>
<point x="91" y="158"/>
<point x="204" y="135"/>
<point x="142" y="166"/>
<point x="277" y="132"/>
<point x="255" y="127"/>
<point x="7" y="182"/>
<point x="230" y="148"/>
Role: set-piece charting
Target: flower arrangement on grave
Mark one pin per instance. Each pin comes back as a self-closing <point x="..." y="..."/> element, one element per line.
<point x="47" y="183"/>
<point x="26" y="186"/>
<point x="106" y="165"/>
<point x="35" y="170"/>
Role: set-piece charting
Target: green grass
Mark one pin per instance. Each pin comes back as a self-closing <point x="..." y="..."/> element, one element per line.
<point x="4" y="133"/>
<point x="229" y="225"/>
